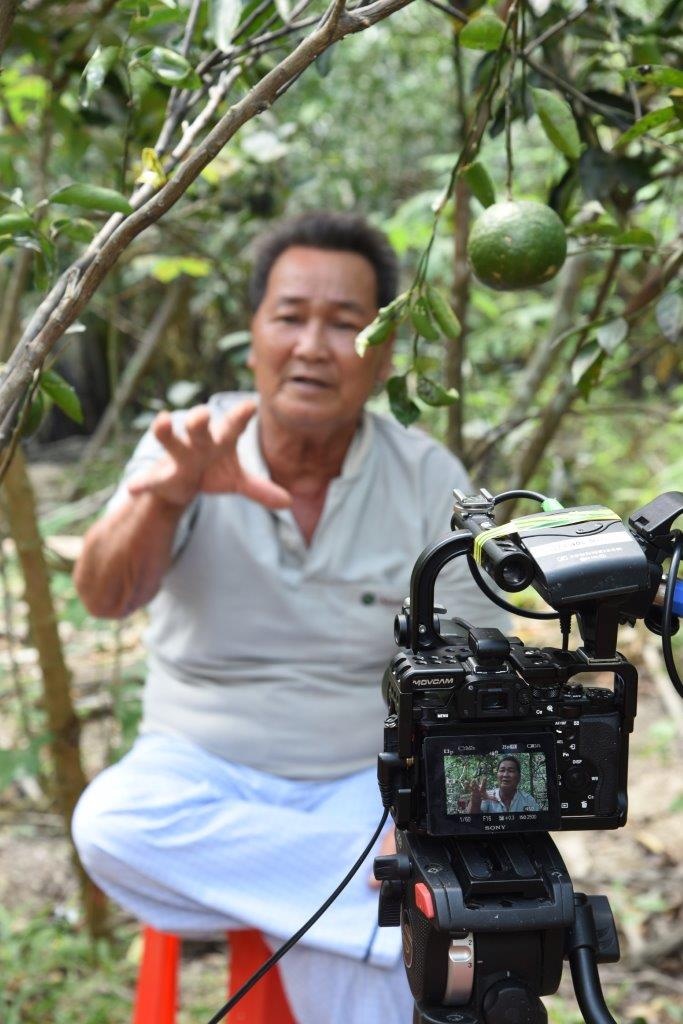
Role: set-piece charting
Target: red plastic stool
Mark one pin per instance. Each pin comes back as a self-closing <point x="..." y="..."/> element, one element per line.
<point x="156" y="998"/>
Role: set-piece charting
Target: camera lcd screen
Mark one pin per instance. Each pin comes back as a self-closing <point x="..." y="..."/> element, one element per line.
<point x="489" y="784"/>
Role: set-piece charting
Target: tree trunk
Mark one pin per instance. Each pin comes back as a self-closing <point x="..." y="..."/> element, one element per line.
<point x="8" y="8"/>
<point x="62" y="721"/>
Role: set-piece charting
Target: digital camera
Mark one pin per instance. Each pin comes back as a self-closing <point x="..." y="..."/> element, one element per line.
<point x="487" y="734"/>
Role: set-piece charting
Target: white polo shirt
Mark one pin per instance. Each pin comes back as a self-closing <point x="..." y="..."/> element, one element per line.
<point x="269" y="652"/>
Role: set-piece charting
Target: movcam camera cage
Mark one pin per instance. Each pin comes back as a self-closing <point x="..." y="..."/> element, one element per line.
<point x="490" y="743"/>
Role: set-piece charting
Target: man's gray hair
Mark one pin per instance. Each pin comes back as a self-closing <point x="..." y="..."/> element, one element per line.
<point x="322" y="229"/>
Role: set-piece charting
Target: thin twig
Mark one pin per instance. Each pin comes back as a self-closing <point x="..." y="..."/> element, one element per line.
<point x="248" y="22"/>
<point x="622" y="120"/>
<point x="508" y="100"/>
<point x="558" y="26"/>
<point x="447" y="9"/>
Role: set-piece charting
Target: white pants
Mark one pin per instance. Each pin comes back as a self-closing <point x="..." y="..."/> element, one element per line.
<point x="194" y="845"/>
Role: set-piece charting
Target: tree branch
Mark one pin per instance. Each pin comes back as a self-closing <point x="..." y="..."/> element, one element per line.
<point x="566" y="393"/>
<point x="553" y="30"/>
<point x="77" y="284"/>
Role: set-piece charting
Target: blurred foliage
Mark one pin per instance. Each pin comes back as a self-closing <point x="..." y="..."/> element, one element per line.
<point x="377" y="126"/>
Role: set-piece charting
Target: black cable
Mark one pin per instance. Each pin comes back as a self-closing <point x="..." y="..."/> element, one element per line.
<point x="285" y="947"/>
<point x="514" y="494"/>
<point x="587" y="987"/>
<point x="481" y="583"/>
<point x="667" y="615"/>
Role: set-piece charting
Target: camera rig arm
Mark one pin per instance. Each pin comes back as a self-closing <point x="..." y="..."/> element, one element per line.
<point x="415" y="626"/>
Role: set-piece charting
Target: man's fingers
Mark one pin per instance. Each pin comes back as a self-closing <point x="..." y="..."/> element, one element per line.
<point x="264" y="491"/>
<point x="162" y="428"/>
<point x="197" y="427"/>
<point x="233" y="423"/>
<point x="150" y="479"/>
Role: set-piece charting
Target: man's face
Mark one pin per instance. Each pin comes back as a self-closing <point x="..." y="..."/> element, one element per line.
<point x="508" y="776"/>
<point x="306" y="368"/>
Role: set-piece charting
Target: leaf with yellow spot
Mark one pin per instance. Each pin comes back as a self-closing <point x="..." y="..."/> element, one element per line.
<point x="152" y="172"/>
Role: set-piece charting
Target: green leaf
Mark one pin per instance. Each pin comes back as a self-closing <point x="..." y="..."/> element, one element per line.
<point x="603" y="227"/>
<point x="480" y="183"/>
<point x="586" y="368"/>
<point x="645" y="124"/>
<point x="23" y="94"/>
<point x="482" y="32"/>
<point x="234" y="340"/>
<point x="62" y="394"/>
<point x="376" y="333"/>
<point x="635" y="236"/>
<point x="422" y="320"/>
<point x="224" y="17"/>
<point x="400" y="402"/>
<point x="167" y="268"/>
<point x="656" y="74"/>
<point x="558" y="122"/>
<point x="432" y="393"/>
<point x="381" y="328"/>
<point x="609" y="336"/>
<point x="442" y="312"/>
<point x="396" y="309"/>
<point x="34" y="415"/>
<point x="167" y="66"/>
<point x="91" y="197"/>
<point x="426" y="364"/>
<point x="16" y="223"/>
<point x="22" y="762"/>
<point x="77" y="229"/>
<point x="96" y="70"/>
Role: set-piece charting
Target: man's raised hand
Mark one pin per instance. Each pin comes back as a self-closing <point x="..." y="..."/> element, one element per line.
<point x="204" y="460"/>
<point x="478" y="792"/>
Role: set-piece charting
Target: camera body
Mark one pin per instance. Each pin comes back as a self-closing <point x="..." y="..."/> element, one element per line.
<point x="462" y="708"/>
<point x="488" y="735"/>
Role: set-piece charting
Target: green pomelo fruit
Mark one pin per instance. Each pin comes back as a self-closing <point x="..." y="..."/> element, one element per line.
<point x="517" y="245"/>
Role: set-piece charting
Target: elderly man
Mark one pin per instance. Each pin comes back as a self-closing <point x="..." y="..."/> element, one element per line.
<point x="274" y="539"/>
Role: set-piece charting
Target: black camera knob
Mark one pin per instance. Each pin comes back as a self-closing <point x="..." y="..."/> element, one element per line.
<point x="402" y="629"/>
<point x="511" y="1002"/>
<point x="390" y="901"/>
<point x="392" y="867"/>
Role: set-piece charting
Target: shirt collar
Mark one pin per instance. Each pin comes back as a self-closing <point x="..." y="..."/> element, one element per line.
<point x="251" y="455"/>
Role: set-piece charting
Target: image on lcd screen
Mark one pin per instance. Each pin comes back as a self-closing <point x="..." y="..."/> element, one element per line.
<point x="496" y="783"/>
